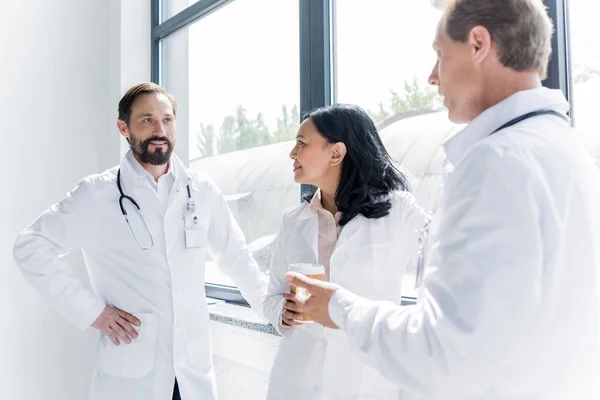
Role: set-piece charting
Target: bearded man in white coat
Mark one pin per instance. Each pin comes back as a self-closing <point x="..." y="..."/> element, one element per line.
<point x="145" y="228"/>
<point x="510" y="301"/>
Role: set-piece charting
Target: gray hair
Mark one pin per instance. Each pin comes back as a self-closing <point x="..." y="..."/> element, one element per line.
<point x="521" y="29"/>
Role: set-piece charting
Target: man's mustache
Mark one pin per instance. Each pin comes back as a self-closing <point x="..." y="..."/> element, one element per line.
<point x="146" y="142"/>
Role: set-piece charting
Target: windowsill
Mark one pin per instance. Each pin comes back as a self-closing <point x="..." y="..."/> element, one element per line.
<point x="243" y="316"/>
<point x="238" y="315"/>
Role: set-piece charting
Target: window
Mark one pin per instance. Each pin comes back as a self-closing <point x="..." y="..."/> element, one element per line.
<point x="245" y="70"/>
<point x="237" y="70"/>
<point x="585" y="63"/>
<point x="390" y="81"/>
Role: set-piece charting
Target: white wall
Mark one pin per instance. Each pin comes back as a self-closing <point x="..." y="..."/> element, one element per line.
<point x="132" y="21"/>
<point x="64" y="65"/>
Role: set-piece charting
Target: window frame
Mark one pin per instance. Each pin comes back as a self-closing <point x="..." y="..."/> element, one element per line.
<point x="318" y="62"/>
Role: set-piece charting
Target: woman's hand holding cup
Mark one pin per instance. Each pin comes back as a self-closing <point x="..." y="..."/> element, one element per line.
<point x="292" y="311"/>
<point x="291" y="314"/>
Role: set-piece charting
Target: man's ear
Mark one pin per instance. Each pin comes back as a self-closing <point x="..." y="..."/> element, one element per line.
<point x="123" y="129"/>
<point x="338" y="153"/>
<point x="480" y="41"/>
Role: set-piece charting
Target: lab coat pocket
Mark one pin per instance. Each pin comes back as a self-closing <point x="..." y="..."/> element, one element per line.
<point x="134" y="360"/>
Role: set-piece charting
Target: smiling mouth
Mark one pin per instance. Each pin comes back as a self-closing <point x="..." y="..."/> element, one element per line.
<point x="296" y="168"/>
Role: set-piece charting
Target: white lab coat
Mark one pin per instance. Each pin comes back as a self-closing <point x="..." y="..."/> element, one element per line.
<point x="370" y="258"/>
<point x="511" y="304"/>
<point x="163" y="287"/>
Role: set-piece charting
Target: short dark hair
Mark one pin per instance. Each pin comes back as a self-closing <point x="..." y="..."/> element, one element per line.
<point x="368" y="172"/>
<point x="142" y="88"/>
<point x="521" y="29"/>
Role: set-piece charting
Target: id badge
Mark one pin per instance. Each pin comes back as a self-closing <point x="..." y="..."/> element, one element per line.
<point x="193" y="238"/>
<point x="194" y="234"/>
<point x="420" y="267"/>
<point x="423" y="242"/>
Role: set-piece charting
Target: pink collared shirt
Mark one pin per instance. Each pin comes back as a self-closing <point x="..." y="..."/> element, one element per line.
<point x="329" y="231"/>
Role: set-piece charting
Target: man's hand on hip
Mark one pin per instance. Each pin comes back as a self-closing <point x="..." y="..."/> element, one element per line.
<point x="117" y="324"/>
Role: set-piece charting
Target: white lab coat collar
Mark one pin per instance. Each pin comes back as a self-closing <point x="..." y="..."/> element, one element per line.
<point x="484" y="124"/>
<point x="308" y="225"/>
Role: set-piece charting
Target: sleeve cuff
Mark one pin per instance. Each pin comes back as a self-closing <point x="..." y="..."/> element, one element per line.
<point x="339" y="307"/>
<point x="89" y="316"/>
<point x="253" y="288"/>
<point x="272" y="309"/>
<point x="283" y="330"/>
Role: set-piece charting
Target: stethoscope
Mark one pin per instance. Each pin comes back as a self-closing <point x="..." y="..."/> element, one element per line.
<point x="423" y="233"/>
<point x="191" y="207"/>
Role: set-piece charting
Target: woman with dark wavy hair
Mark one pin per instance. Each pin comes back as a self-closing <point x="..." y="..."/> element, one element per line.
<point x="360" y="225"/>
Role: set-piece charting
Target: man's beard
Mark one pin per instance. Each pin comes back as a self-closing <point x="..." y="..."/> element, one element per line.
<point x="157" y="157"/>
